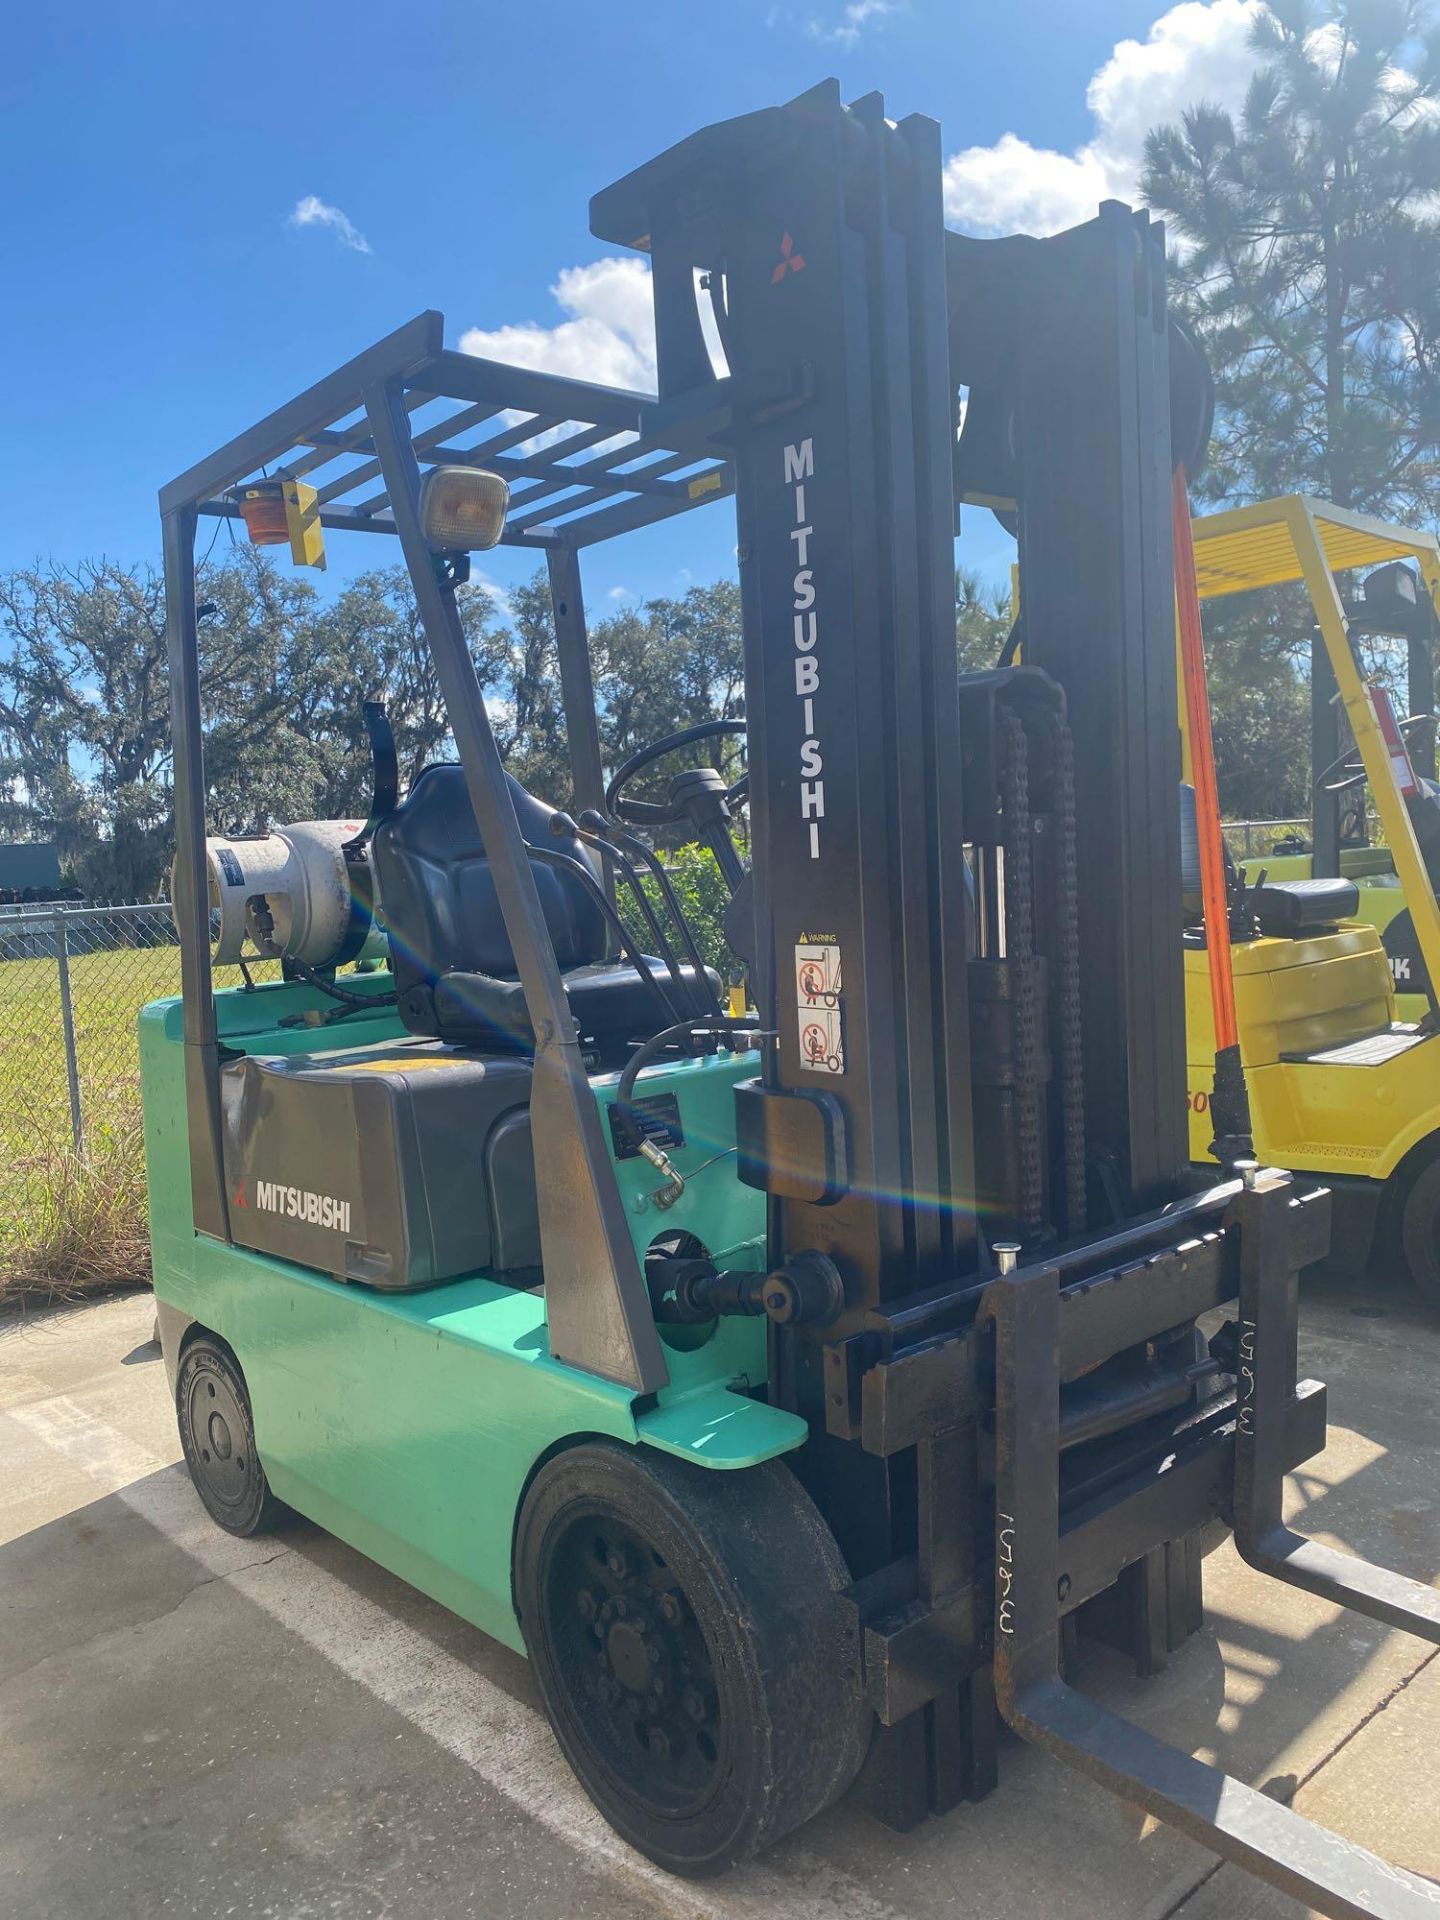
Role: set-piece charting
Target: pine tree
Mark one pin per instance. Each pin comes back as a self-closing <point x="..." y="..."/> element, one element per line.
<point x="1309" y="256"/>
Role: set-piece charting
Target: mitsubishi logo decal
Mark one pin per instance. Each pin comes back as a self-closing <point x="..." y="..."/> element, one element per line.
<point x="789" y="261"/>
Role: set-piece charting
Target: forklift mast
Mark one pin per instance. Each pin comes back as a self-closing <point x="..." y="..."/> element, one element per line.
<point x="838" y="292"/>
<point x="1064" y="348"/>
<point x="823" y="227"/>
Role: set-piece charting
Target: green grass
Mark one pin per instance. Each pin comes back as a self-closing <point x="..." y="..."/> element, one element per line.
<point x="73" y="1224"/>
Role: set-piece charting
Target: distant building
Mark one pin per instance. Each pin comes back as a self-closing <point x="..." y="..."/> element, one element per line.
<point x="28" y="867"/>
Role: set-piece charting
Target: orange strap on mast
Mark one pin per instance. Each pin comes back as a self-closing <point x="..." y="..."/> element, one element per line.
<point x="1202" y="764"/>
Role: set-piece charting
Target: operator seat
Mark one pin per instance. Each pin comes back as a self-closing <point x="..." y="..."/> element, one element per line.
<point x="1291" y="909"/>
<point x="1282" y="909"/>
<point x="455" y="973"/>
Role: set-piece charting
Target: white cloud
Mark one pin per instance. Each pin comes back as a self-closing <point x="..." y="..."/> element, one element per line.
<point x="608" y="337"/>
<point x="497" y="595"/>
<point x="312" y="211"/>
<point x="1196" y="51"/>
<point x="620" y="593"/>
<point x="855" y="17"/>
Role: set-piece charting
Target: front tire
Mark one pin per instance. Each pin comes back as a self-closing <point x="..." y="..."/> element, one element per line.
<point x="217" y="1432"/>
<point x="690" y="1648"/>
<point x="1419" y="1231"/>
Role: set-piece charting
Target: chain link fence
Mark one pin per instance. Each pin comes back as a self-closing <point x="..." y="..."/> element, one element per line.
<point x="72" y="983"/>
<point x="1248" y="839"/>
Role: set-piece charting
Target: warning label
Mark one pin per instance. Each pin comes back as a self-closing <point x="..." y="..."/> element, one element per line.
<point x="818" y="988"/>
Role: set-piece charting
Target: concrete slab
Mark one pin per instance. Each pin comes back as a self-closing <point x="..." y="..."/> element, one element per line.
<point x="1382" y="1788"/>
<point x="194" y="1725"/>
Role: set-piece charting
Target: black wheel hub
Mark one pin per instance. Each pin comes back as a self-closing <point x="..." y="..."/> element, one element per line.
<point x="222" y="1460"/>
<point x="642" y="1680"/>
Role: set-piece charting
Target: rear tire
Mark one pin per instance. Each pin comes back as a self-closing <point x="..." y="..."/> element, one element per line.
<point x="690" y="1648"/>
<point x="1419" y="1230"/>
<point x="217" y="1432"/>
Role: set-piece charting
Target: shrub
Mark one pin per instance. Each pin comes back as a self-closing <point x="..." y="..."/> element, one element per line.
<point x="85" y="1230"/>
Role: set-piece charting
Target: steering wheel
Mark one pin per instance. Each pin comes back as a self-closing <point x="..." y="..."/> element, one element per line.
<point x="1349" y="771"/>
<point x="653" y="813"/>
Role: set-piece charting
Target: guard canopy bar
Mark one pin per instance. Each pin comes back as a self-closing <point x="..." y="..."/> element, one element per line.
<point x="583" y="462"/>
<point x="1245" y="548"/>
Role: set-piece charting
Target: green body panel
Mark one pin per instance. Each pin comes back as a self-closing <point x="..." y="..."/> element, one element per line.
<point x="409" y="1423"/>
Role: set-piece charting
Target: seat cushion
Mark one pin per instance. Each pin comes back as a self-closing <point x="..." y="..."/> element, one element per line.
<point x="609" y="1002"/>
<point x="1286" y="909"/>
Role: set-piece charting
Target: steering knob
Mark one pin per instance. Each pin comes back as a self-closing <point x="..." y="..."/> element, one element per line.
<point x="695" y="782"/>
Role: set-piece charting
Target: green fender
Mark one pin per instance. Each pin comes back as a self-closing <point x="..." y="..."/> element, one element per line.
<point x="717" y="1428"/>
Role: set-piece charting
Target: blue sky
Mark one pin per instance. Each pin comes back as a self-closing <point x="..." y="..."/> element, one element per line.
<point x="161" y="292"/>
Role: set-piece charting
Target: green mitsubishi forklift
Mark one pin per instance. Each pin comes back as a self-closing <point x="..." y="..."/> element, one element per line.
<point x="788" y="1385"/>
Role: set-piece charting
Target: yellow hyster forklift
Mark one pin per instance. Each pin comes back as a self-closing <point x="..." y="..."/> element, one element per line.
<point x="1338" y="1086"/>
<point x="788" y="1386"/>
<point x="1394" y="603"/>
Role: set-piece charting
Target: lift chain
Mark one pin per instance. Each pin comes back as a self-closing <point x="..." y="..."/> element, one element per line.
<point x="1067" y="958"/>
<point x="1017" y="826"/>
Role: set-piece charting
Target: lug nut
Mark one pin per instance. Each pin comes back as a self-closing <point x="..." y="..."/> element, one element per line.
<point x="652" y="1653"/>
<point x="657" y="1687"/>
<point x="618" y="1562"/>
<point x="671" y="1609"/>
<point x="658" y="1742"/>
<point x="585" y="1601"/>
<point x="693" y="1702"/>
<point x="621" y="1606"/>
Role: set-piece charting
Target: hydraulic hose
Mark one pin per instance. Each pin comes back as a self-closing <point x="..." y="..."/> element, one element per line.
<point x="554" y="857"/>
<point x="345" y="995"/>
<point x="652" y="1048"/>
<point x="1229" y="1102"/>
<point x="563" y="824"/>
<point x="595" y="828"/>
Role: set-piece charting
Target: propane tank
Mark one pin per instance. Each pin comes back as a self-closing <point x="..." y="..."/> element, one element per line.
<point x="297" y="893"/>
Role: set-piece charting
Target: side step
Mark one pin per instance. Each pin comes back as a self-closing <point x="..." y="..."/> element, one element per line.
<point x="1234" y="1820"/>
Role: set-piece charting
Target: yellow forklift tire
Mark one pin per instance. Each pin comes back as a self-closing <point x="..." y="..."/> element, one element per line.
<point x="694" y="1655"/>
<point x="217" y="1433"/>
<point x="1420" y="1229"/>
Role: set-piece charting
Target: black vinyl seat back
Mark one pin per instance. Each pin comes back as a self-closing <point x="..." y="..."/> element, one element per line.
<point x="1282" y="909"/>
<point x="438" y="895"/>
<point x="455" y="972"/>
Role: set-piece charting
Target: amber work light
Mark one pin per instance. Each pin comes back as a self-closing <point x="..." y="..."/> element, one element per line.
<point x="462" y="509"/>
